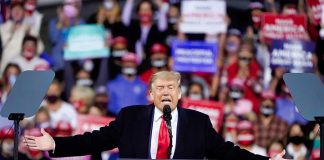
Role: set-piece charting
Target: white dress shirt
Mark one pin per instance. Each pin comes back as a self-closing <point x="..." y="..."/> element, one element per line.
<point x="156" y="128"/>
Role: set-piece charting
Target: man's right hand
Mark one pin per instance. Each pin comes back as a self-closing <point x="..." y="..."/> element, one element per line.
<point x="43" y="143"/>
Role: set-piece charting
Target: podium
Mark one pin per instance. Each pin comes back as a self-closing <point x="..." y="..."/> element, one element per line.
<point x="25" y="98"/>
<point x="307" y="92"/>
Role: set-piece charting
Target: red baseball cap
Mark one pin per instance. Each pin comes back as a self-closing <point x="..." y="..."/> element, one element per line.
<point x="268" y="94"/>
<point x="129" y="57"/>
<point x="119" y="40"/>
<point x="158" y="48"/>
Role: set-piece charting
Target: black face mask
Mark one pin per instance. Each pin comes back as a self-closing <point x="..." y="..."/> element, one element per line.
<point x="52" y="98"/>
<point x="101" y="104"/>
<point x="296" y="140"/>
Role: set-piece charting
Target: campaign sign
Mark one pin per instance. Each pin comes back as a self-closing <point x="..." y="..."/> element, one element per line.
<point x="86" y="41"/>
<point x="285" y="27"/>
<point x="295" y="56"/>
<point x="213" y="109"/>
<point x="194" y="56"/>
<point x="316" y="9"/>
<point x="203" y="16"/>
<point x="88" y="123"/>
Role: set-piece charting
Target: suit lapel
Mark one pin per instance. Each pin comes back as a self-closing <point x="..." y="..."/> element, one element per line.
<point x="181" y="133"/>
<point x="142" y="133"/>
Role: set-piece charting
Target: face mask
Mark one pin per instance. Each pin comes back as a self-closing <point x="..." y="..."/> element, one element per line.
<point x="235" y="94"/>
<point x="70" y="11"/>
<point x="108" y="5"/>
<point x="145" y="18"/>
<point x="8" y="148"/>
<point x="158" y="63"/>
<point x="28" y="54"/>
<point x="44" y="125"/>
<point x="296" y="140"/>
<point x="231" y="47"/>
<point x="231" y="125"/>
<point x="118" y="53"/>
<point x="101" y="104"/>
<point x="173" y="20"/>
<point x="245" y="139"/>
<point x="129" y="71"/>
<point x="195" y="96"/>
<point x="266" y="111"/>
<point x="289" y="11"/>
<point x="12" y="79"/>
<point x="244" y="62"/>
<point x="84" y="82"/>
<point x="52" y="98"/>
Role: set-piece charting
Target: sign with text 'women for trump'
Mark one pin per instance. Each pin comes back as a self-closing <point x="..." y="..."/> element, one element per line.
<point x="294" y="56"/>
<point x="194" y="56"/>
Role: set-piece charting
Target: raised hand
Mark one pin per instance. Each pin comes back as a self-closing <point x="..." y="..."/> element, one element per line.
<point x="42" y="143"/>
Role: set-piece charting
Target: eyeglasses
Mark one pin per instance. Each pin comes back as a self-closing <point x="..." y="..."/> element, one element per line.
<point x="245" y="58"/>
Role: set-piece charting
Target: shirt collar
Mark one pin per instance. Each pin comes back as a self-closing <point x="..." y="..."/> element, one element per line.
<point x="158" y="114"/>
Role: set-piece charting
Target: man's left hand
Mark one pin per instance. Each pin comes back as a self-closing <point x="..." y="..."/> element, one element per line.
<point x="279" y="156"/>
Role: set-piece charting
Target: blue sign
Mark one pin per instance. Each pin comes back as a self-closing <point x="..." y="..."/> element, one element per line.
<point x="194" y="56"/>
<point x="293" y="55"/>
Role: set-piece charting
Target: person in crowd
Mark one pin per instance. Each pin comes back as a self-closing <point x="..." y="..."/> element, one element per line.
<point x="159" y="61"/>
<point x="128" y="81"/>
<point x="144" y="32"/>
<point x="97" y="111"/>
<point x="232" y="46"/>
<point x="9" y="77"/>
<point x="59" y="110"/>
<point x="269" y="127"/>
<point x="275" y="148"/>
<point x="286" y="108"/>
<point x="102" y="100"/>
<point x="33" y="18"/>
<point x="68" y="15"/>
<point x="195" y="91"/>
<point x="29" y="59"/>
<point x="108" y="15"/>
<point x="174" y="16"/>
<point x="7" y="146"/>
<point x="247" y="69"/>
<point x="229" y="127"/>
<point x="233" y="93"/>
<point x="133" y="140"/>
<point x="246" y="138"/>
<point x="82" y="98"/>
<point x="12" y="34"/>
<point x="316" y="143"/>
<point x="296" y="147"/>
<point x="118" y="49"/>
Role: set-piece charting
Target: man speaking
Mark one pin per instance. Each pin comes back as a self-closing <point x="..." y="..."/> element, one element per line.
<point x="162" y="130"/>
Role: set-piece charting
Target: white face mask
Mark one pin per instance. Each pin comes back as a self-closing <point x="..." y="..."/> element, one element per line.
<point x="158" y="63"/>
<point x="8" y="148"/>
<point x="195" y="96"/>
<point x="108" y="5"/>
<point x="84" y="82"/>
<point x="129" y="71"/>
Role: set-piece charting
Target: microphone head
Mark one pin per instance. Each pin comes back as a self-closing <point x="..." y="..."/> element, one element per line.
<point x="167" y="113"/>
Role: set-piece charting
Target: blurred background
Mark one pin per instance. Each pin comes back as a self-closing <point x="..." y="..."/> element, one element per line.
<point x="232" y="55"/>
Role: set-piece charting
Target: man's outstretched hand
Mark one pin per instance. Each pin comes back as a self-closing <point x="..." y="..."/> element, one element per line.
<point x="279" y="156"/>
<point x="42" y="143"/>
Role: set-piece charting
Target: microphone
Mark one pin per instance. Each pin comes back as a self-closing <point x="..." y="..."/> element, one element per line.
<point x="167" y="118"/>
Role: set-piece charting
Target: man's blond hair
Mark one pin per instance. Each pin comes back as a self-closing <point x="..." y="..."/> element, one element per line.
<point x="165" y="75"/>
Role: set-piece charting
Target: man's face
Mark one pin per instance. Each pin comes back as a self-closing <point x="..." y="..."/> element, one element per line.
<point x="165" y="92"/>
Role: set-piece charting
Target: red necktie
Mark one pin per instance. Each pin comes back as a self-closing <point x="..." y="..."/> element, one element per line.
<point x="164" y="141"/>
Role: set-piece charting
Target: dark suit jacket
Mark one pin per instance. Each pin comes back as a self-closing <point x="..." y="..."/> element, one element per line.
<point x="130" y="132"/>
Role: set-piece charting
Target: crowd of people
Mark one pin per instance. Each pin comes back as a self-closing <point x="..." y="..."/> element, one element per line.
<point x="259" y="113"/>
